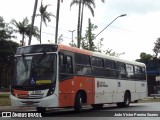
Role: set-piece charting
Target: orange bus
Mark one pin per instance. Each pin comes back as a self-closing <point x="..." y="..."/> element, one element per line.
<point x="50" y="75"/>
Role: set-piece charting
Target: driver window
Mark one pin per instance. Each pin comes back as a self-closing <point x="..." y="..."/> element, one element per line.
<point x="65" y="64"/>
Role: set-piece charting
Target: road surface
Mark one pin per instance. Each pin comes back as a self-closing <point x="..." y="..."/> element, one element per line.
<point x="136" y="111"/>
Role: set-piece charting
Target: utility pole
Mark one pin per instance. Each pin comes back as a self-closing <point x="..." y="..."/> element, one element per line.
<point x="57" y="21"/>
<point x="72" y="36"/>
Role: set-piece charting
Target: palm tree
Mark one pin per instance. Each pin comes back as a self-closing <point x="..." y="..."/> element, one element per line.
<point x="45" y="16"/>
<point x="82" y="3"/>
<point x="78" y="2"/>
<point x="24" y="29"/>
<point x="21" y="27"/>
<point x="87" y="3"/>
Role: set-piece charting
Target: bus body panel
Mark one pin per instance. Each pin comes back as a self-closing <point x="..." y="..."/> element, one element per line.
<point x="104" y="89"/>
<point x="69" y="88"/>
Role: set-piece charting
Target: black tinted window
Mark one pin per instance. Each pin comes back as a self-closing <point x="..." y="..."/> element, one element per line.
<point x="98" y="62"/>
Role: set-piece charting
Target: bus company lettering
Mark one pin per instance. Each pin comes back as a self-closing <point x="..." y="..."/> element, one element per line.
<point x="101" y="84"/>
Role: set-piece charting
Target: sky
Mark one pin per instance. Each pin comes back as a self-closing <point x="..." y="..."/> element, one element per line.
<point x="132" y="34"/>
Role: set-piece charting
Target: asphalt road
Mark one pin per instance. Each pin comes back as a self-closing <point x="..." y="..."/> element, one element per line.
<point x="136" y="111"/>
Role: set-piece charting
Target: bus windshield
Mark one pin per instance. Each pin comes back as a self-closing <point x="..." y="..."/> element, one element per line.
<point x="36" y="69"/>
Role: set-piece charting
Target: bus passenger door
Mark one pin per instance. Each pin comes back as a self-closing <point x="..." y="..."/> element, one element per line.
<point x="65" y="80"/>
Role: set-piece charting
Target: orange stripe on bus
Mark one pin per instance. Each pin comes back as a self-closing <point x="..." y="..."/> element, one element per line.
<point x="74" y="49"/>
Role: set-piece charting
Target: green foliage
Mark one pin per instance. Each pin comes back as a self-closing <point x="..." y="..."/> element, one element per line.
<point x="5" y="30"/>
<point x="45" y="16"/>
<point x="88" y="42"/>
<point x="7" y="48"/>
<point x="156" y="48"/>
<point x="88" y="39"/>
<point x="111" y="52"/>
<point x="145" y="58"/>
<point x="23" y="28"/>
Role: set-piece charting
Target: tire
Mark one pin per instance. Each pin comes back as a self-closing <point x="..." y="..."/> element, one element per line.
<point x="127" y="100"/>
<point x="97" y="106"/>
<point x="136" y="101"/>
<point x="41" y="110"/>
<point x="78" y="103"/>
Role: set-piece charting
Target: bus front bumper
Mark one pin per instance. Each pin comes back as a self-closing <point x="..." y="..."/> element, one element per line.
<point x="49" y="101"/>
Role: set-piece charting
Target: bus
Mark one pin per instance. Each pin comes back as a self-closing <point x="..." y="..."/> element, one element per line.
<point x="60" y="76"/>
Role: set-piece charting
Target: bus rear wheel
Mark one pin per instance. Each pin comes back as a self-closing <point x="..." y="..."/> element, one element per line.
<point x="78" y="103"/>
<point x="127" y="100"/>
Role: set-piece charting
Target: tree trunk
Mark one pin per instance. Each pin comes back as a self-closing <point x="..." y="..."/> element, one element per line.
<point x="40" y="30"/>
<point x="32" y="24"/>
<point x="78" y="25"/>
<point x="80" y="34"/>
<point x="23" y="39"/>
<point x="89" y="34"/>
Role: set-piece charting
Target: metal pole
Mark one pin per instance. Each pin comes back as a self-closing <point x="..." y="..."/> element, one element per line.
<point x="72" y="35"/>
<point x="111" y="23"/>
<point x="57" y="21"/>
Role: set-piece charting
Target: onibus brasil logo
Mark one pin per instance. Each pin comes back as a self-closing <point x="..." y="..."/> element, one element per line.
<point x="15" y="114"/>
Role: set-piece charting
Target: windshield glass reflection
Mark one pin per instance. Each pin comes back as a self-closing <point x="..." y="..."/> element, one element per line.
<point x="35" y="70"/>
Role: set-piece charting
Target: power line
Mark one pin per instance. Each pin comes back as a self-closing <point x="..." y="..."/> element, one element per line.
<point x="54" y="35"/>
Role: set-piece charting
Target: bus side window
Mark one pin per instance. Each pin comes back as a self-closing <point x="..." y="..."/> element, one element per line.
<point x="69" y="68"/>
<point x="65" y="64"/>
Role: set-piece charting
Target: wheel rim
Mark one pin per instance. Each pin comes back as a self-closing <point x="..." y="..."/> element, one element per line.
<point x="80" y="102"/>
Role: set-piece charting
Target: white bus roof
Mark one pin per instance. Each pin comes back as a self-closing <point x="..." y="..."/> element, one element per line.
<point x="96" y="54"/>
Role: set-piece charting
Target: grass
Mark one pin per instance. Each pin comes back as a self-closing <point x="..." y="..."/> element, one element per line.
<point x="5" y="100"/>
<point x="149" y="100"/>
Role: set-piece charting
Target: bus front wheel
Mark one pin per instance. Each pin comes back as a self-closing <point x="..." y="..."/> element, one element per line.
<point x="78" y="102"/>
<point x="41" y="110"/>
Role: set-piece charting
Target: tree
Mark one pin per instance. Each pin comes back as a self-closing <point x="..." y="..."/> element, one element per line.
<point x="82" y="3"/>
<point x="145" y="58"/>
<point x="111" y="52"/>
<point x="45" y="16"/>
<point x="89" y="4"/>
<point x="88" y="42"/>
<point x="5" y="30"/>
<point x="23" y="28"/>
<point x="7" y="48"/>
<point x="156" y="48"/>
<point x="57" y="20"/>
